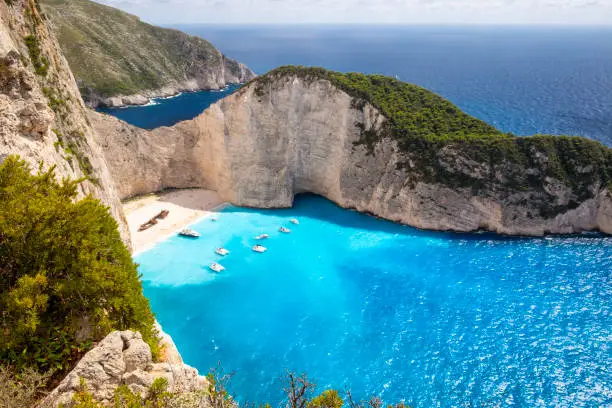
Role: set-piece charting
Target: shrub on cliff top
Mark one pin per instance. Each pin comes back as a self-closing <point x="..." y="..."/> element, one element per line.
<point x="413" y="111"/>
<point x="66" y="278"/>
<point x="422" y="123"/>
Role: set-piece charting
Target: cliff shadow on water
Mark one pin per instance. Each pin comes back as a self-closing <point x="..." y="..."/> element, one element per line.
<point x="320" y="208"/>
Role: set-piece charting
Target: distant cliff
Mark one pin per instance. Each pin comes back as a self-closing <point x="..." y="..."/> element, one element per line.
<point x="373" y="144"/>
<point x="119" y="60"/>
<point x="42" y="116"/>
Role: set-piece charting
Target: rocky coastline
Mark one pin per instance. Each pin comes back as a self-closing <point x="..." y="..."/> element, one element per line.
<point x="301" y="135"/>
<point x="119" y="60"/>
<point x="274" y="138"/>
<point x="94" y="100"/>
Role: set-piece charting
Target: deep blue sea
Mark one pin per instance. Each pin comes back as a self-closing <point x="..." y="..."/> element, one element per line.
<point x="521" y="79"/>
<point x="169" y="111"/>
<point x="435" y="319"/>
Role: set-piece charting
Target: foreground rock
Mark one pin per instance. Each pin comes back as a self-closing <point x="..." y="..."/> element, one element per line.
<point x="285" y="135"/>
<point x="123" y="358"/>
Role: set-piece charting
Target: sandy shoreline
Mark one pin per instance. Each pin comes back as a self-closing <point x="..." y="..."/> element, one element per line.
<point x="185" y="207"/>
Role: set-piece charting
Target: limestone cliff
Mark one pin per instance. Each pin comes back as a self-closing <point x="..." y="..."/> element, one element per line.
<point x="42" y="116"/>
<point x="282" y="135"/>
<point x="119" y="60"/>
<point x="123" y="358"/>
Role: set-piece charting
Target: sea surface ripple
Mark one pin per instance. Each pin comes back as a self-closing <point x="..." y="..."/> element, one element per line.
<point x="435" y="319"/>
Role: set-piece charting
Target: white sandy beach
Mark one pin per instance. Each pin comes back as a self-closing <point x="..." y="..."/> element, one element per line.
<point x="184" y="206"/>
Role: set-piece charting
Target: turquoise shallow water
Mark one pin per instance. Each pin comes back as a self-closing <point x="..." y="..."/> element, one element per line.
<point x="437" y="319"/>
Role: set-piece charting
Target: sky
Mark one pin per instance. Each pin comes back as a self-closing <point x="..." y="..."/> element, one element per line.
<point x="564" y="12"/>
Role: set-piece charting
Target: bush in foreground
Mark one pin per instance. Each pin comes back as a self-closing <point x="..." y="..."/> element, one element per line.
<point x="20" y="390"/>
<point x="298" y="390"/>
<point x="66" y="278"/>
<point x="26" y="388"/>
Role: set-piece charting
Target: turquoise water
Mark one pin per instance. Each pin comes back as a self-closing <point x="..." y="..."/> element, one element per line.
<point x="437" y="319"/>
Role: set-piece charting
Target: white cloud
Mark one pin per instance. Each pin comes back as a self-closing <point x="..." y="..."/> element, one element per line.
<point x="371" y="11"/>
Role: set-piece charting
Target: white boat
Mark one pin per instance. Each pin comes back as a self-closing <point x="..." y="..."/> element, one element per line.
<point x="259" y="248"/>
<point x="188" y="232"/>
<point x="221" y="251"/>
<point x="294" y="221"/>
<point x="216" y="267"/>
<point x="285" y="230"/>
<point x="262" y="236"/>
<point x="213" y="218"/>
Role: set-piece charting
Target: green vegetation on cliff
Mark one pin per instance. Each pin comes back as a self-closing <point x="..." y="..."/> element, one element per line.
<point x="112" y="52"/>
<point x="423" y="124"/>
<point x="26" y="390"/>
<point x="66" y="278"/>
<point x="41" y="65"/>
<point x="412" y="111"/>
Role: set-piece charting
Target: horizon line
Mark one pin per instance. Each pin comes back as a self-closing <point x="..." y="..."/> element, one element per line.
<point x="413" y="24"/>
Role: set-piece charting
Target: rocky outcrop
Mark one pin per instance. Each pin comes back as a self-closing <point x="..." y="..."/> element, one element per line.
<point x="122" y="358"/>
<point x="120" y="60"/>
<point x="42" y="116"/>
<point x="261" y="147"/>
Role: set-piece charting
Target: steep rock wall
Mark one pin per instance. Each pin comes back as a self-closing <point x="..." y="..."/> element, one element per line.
<point x="143" y="161"/>
<point x="259" y="148"/>
<point x="42" y="116"/>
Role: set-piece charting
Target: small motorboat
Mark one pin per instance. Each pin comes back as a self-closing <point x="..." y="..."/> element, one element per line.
<point x="259" y="248"/>
<point x="188" y="232"/>
<point x="215" y="267"/>
<point x="262" y="236"/>
<point x="213" y="218"/>
<point x="221" y="251"/>
<point x="285" y="230"/>
<point x="294" y="221"/>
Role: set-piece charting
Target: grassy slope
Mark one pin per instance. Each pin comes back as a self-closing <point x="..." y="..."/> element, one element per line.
<point x="423" y="122"/>
<point x="113" y="52"/>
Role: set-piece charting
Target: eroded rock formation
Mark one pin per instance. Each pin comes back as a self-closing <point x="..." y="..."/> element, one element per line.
<point x="122" y="358"/>
<point x="42" y="116"/>
<point x="261" y="147"/>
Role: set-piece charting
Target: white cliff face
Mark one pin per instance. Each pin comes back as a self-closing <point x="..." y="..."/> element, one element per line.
<point x="42" y="117"/>
<point x="261" y="149"/>
<point x="142" y="162"/>
<point x="123" y="358"/>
